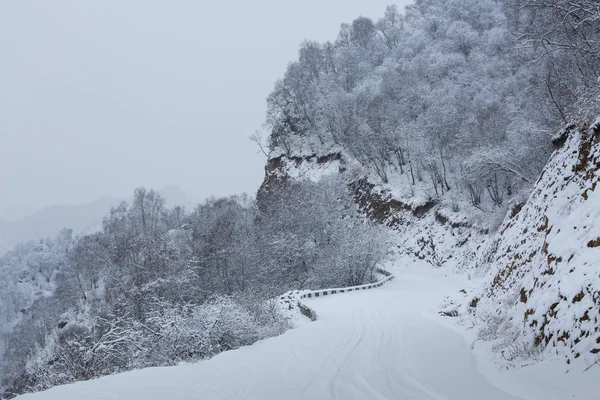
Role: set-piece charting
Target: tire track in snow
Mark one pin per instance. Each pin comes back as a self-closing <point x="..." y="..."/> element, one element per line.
<point x="383" y="362"/>
<point x="333" y="383"/>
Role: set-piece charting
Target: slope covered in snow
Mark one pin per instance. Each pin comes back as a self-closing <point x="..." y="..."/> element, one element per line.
<point x="542" y="293"/>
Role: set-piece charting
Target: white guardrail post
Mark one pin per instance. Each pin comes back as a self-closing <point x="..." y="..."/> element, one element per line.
<point x="310" y="313"/>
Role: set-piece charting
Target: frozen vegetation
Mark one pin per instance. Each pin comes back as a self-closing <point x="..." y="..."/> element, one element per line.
<point x="157" y="286"/>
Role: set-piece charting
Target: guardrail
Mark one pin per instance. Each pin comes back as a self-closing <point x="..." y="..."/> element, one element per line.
<point x="310" y="313"/>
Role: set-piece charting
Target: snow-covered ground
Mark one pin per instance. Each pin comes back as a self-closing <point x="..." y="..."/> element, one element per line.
<point x="386" y="343"/>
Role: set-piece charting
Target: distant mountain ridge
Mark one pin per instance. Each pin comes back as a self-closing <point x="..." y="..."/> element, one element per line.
<point x="82" y="218"/>
<point x="48" y="221"/>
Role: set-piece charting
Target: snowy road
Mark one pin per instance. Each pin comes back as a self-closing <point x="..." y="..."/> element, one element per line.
<point x="374" y="344"/>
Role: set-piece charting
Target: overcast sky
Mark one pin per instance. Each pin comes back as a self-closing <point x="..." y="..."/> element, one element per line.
<point x="99" y="97"/>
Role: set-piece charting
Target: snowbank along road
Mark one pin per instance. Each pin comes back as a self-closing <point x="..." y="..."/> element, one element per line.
<point x="372" y="344"/>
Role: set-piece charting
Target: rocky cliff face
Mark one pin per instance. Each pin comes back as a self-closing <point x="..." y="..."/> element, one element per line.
<point x="542" y="293"/>
<point x="426" y="227"/>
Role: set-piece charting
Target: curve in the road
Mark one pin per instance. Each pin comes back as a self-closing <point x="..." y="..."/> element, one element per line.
<point x="376" y="345"/>
<point x="312" y="314"/>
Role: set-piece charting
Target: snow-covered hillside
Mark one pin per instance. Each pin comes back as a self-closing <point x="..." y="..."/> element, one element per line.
<point x="422" y="139"/>
<point x="542" y="293"/>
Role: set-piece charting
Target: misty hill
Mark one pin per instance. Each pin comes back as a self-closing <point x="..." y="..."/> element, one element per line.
<point x="81" y="218"/>
<point x="48" y="221"/>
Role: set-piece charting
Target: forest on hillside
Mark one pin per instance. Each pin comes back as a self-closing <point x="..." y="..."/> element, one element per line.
<point x="158" y="286"/>
<point x="458" y="98"/>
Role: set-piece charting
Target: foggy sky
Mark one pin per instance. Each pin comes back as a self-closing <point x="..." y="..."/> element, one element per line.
<point x="99" y="97"/>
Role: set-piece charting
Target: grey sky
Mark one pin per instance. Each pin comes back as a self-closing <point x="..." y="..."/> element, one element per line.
<point x="99" y="97"/>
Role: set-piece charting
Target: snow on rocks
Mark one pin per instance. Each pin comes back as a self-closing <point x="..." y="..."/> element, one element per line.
<point x="543" y="290"/>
